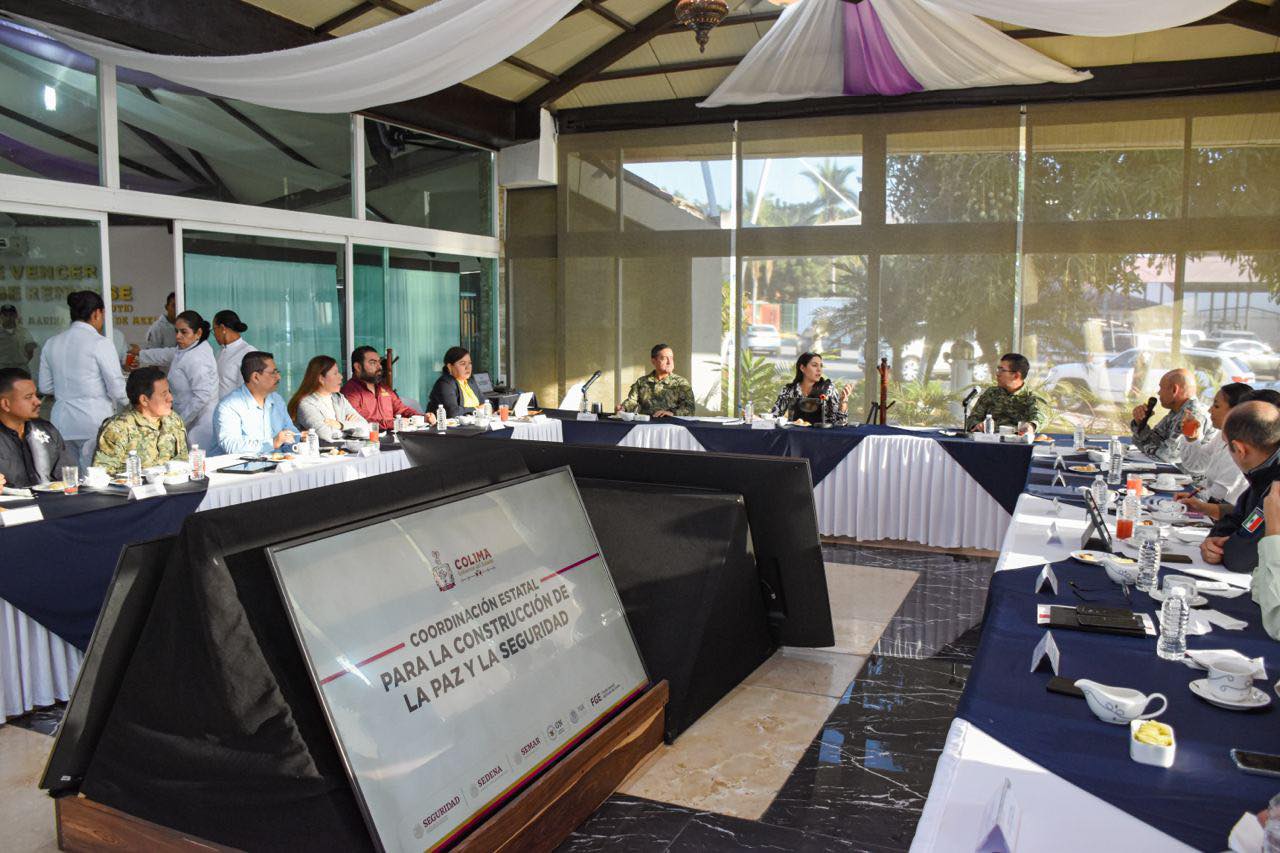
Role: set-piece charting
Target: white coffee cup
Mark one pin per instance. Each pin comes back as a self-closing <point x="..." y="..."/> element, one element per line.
<point x="1231" y="680"/>
<point x="154" y="474"/>
<point x="95" y="476"/>
<point x="1166" y="481"/>
<point x="1006" y="430"/>
<point x="418" y="420"/>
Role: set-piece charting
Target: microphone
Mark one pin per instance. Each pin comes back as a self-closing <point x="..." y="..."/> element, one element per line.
<point x="593" y="378"/>
<point x="969" y="399"/>
<point x="1151" y="407"/>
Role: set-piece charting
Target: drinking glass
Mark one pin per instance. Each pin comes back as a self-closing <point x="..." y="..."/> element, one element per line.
<point x="71" y="477"/>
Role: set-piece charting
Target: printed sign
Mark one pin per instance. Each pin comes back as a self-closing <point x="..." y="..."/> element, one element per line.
<point x="459" y="650"/>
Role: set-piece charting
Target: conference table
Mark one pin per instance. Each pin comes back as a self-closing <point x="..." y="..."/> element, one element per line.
<point x="1068" y="774"/>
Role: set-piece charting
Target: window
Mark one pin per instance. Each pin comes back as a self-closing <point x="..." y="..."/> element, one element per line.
<point x="48" y="108"/>
<point x="801" y="173"/>
<point x="953" y="175"/>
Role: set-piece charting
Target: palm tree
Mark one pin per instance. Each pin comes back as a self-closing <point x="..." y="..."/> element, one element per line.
<point x="833" y="198"/>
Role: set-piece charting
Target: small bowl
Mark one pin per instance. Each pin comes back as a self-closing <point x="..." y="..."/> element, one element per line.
<point x="1148" y="753"/>
<point x="1125" y="574"/>
<point x="627" y="416"/>
<point x="352" y="446"/>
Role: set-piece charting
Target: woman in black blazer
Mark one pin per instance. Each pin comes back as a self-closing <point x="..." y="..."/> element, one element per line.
<point x="455" y="389"/>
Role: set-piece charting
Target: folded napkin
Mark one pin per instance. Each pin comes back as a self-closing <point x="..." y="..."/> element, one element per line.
<point x="1247" y="835"/>
<point x="1202" y="658"/>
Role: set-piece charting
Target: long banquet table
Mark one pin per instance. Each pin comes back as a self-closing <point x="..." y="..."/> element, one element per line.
<point x="1070" y="774"/>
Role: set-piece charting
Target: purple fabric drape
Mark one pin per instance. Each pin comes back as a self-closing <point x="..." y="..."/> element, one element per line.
<point x="871" y="67"/>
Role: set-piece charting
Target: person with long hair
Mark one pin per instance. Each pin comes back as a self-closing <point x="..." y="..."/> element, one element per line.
<point x="811" y="397"/>
<point x="456" y="390"/>
<point x="318" y="403"/>
<point x="80" y="368"/>
<point x="227" y="331"/>
<point x="1205" y="455"/>
<point x="193" y="375"/>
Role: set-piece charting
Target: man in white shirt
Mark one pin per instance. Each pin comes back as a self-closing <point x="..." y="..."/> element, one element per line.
<point x="79" y="367"/>
<point x="162" y="332"/>
<point x="227" y="330"/>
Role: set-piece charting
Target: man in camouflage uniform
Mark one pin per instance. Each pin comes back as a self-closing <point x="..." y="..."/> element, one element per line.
<point x="1009" y="403"/>
<point x="1178" y="395"/>
<point x="660" y="392"/>
<point x="150" y="425"/>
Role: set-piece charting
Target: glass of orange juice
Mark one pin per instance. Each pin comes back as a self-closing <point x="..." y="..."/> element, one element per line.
<point x="1124" y="527"/>
<point x="1190" y="426"/>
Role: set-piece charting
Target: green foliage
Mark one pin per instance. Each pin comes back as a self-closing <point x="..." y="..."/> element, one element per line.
<point x="921" y="403"/>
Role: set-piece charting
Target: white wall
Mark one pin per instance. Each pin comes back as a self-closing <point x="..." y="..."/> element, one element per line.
<point x="141" y="276"/>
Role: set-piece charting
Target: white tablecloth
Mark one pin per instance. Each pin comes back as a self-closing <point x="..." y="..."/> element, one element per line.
<point x="1056" y="815"/>
<point x="889" y="487"/>
<point x="37" y="667"/>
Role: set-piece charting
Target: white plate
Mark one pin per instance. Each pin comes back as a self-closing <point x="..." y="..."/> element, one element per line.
<point x="1092" y="558"/>
<point x="1168" y="490"/>
<point x="1198" y="601"/>
<point x="49" y="488"/>
<point x="1169" y="517"/>
<point x="1257" y="698"/>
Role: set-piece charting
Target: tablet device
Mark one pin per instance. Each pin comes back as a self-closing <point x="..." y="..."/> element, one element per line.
<point x="254" y="467"/>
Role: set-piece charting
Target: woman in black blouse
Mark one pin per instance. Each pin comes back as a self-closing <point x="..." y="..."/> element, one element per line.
<point x="811" y="396"/>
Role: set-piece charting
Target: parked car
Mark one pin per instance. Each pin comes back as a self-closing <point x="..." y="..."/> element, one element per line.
<point x="913" y="354"/>
<point x="1249" y="351"/>
<point x="1110" y="380"/>
<point x="764" y="338"/>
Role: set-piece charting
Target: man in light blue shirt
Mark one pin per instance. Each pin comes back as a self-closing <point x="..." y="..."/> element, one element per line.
<point x="253" y="418"/>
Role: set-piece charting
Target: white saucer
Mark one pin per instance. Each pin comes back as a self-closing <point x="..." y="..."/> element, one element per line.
<point x="1197" y="600"/>
<point x="1092" y="558"/>
<point x="1257" y="698"/>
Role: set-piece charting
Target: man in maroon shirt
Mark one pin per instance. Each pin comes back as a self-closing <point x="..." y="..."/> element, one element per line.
<point x="376" y="403"/>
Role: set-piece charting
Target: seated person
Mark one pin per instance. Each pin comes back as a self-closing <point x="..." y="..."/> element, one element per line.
<point x="811" y="397"/>
<point x="318" y="404"/>
<point x="660" y="393"/>
<point x="1177" y="394"/>
<point x="456" y="390"/>
<point x="1010" y="402"/>
<point x="1266" y="395"/>
<point x="374" y="402"/>
<point x="1266" y="578"/>
<point x="1204" y="447"/>
<point x="253" y="418"/>
<point x="1253" y="439"/>
<point x="150" y="425"/>
<point x="31" y="450"/>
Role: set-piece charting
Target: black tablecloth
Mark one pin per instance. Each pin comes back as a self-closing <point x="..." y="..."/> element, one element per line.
<point x="57" y="571"/>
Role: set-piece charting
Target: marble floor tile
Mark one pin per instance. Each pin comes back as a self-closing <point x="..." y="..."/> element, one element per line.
<point x="26" y="812"/>
<point x="629" y="825"/>
<point x="735" y="758"/>
<point x="867" y="592"/>
<point x="714" y="832"/>
<point x="808" y="671"/>
<point x="867" y="774"/>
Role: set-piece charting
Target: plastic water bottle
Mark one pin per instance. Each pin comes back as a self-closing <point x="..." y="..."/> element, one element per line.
<point x="988" y="425"/>
<point x="1175" y="613"/>
<point x="1100" y="490"/>
<point x="1078" y="437"/>
<point x="1116" y="450"/>
<point x="313" y="444"/>
<point x="1271" y="836"/>
<point x="1148" y="557"/>
<point x="749" y="412"/>
<point x="441" y="419"/>
<point x="133" y="469"/>
<point x="398" y="426"/>
<point x="195" y="458"/>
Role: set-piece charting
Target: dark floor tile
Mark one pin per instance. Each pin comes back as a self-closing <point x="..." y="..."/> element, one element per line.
<point x="712" y="832"/>
<point x="42" y="720"/>
<point x="867" y="774"/>
<point x="944" y="605"/>
<point x="629" y="825"/>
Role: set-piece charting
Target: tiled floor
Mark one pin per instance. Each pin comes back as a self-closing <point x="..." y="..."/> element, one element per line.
<point x="819" y="749"/>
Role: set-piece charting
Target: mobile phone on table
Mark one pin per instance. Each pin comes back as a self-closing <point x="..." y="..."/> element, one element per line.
<point x="1258" y="763"/>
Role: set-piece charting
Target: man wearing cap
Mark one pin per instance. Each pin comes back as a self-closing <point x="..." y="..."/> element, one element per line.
<point x="16" y="344"/>
<point x="162" y="332"/>
<point x="227" y="329"/>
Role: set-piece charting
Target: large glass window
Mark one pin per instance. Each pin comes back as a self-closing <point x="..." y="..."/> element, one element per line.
<point x="48" y="108"/>
<point x="287" y="291"/>
<point x="414" y="178"/>
<point x="1231" y="307"/>
<point x="679" y="185"/>
<point x="179" y="141"/>
<point x="409" y="302"/>
<point x="1236" y="169"/>
<point x="953" y="175"/>
<point x="801" y="173"/>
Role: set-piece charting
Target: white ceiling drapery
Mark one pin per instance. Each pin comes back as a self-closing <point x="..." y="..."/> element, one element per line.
<point x="1092" y="17"/>
<point x="415" y="55"/>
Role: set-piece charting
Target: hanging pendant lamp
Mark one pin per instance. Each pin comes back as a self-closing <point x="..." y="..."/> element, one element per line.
<point x="701" y="16"/>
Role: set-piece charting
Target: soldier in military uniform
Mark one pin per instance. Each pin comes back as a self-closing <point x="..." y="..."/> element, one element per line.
<point x="1178" y="395"/>
<point x="1010" y="402"/>
<point x="660" y="392"/>
<point x="150" y="425"/>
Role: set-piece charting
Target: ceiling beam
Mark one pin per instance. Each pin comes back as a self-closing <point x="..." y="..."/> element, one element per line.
<point x="343" y="18"/>
<point x="600" y="59"/>
<point x="392" y="6"/>
<point x="531" y="68"/>
<point x="672" y="68"/>
<point x="614" y="18"/>
<point x="1251" y="16"/>
<point x="227" y="27"/>
<point x="1139" y="80"/>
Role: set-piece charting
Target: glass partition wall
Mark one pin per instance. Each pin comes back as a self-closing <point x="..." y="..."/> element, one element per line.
<point x="1106" y="242"/>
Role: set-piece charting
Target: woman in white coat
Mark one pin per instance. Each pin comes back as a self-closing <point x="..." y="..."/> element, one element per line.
<point x="227" y="330"/>
<point x="79" y="367"/>
<point x="1206" y="456"/>
<point x="193" y="376"/>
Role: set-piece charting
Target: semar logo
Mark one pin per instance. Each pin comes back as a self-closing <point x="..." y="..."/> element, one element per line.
<point x="442" y="571"/>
